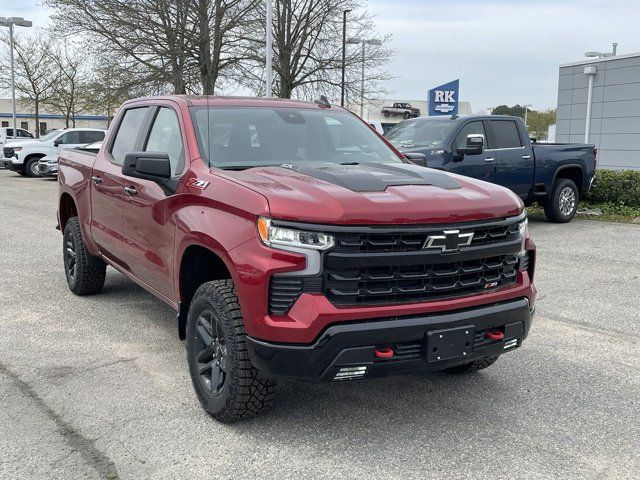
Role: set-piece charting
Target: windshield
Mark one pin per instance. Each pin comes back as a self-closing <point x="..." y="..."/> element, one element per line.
<point x="245" y="137"/>
<point x="414" y="133"/>
<point x="49" y="135"/>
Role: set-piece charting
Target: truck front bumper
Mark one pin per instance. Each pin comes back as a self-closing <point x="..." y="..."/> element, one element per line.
<point x="422" y="342"/>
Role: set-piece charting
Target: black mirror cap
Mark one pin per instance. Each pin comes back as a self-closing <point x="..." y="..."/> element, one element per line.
<point x="417" y="158"/>
<point x="154" y="166"/>
<point x="56" y="142"/>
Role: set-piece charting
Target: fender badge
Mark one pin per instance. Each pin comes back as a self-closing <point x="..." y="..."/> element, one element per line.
<point x="199" y="184"/>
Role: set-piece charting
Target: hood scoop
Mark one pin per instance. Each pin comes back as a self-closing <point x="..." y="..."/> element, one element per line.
<point x="375" y="177"/>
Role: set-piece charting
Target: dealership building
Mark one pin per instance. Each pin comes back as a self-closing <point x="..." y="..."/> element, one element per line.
<point x="26" y="119"/>
<point x="599" y="103"/>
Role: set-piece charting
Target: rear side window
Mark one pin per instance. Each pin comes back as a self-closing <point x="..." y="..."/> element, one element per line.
<point x="506" y="134"/>
<point x="165" y="137"/>
<point x="90" y="136"/>
<point x="70" y="138"/>
<point x="127" y="134"/>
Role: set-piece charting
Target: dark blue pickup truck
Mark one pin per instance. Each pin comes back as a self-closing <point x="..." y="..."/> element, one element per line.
<point x="497" y="149"/>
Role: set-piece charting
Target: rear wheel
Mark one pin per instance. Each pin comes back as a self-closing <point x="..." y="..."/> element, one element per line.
<point x="473" y="367"/>
<point x="85" y="274"/>
<point x="228" y="386"/>
<point x="562" y="204"/>
<point x="31" y="167"/>
<point x="407" y="115"/>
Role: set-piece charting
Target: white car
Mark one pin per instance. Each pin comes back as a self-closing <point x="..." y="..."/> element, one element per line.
<point x="22" y="156"/>
<point x="48" y="166"/>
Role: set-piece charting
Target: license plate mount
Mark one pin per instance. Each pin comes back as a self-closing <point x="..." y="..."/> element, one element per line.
<point x="450" y="343"/>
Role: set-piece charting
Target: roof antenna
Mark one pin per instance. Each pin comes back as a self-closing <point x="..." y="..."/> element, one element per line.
<point x="323" y="102"/>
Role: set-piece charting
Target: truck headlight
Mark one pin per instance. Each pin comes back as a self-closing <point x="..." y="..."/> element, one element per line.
<point x="523" y="229"/>
<point x="275" y="236"/>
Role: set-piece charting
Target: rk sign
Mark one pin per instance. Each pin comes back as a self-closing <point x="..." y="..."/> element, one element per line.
<point x="443" y="100"/>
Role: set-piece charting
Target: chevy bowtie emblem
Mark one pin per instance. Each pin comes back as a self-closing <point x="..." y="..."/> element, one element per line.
<point x="451" y="241"/>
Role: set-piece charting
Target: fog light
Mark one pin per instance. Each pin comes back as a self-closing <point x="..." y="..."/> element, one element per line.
<point x="349" y="373"/>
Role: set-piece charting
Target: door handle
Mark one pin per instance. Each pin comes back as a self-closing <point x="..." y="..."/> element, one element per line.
<point x="130" y="191"/>
<point x="490" y="159"/>
<point x="526" y="157"/>
<point x="96" y="179"/>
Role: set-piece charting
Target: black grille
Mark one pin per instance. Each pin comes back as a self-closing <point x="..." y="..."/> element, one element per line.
<point x="403" y="241"/>
<point x="8" y="152"/>
<point x="417" y="283"/>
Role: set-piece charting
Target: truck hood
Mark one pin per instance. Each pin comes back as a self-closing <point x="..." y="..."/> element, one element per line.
<point x="375" y="193"/>
<point x="23" y="143"/>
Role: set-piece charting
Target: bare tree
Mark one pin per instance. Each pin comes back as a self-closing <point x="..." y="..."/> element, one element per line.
<point x="308" y="50"/>
<point x="69" y="81"/>
<point x="189" y="44"/>
<point x="34" y="71"/>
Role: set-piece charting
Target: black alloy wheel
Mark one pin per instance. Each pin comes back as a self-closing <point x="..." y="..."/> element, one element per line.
<point x="211" y="353"/>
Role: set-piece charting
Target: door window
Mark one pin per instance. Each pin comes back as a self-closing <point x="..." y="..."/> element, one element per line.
<point x="506" y="134"/>
<point x="91" y="136"/>
<point x="127" y="134"/>
<point x="70" y="138"/>
<point x="165" y="137"/>
<point x="468" y="129"/>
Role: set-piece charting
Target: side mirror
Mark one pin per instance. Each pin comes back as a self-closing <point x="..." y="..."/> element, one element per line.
<point x="154" y="166"/>
<point x="475" y="145"/>
<point x="57" y="142"/>
<point x="417" y="158"/>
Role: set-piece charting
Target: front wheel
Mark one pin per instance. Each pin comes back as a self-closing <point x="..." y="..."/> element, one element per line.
<point x="31" y="167"/>
<point x="85" y="274"/>
<point x="562" y="204"/>
<point x="228" y="386"/>
<point x="407" y="115"/>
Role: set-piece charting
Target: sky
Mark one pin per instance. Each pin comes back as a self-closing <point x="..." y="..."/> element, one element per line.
<point x="503" y="51"/>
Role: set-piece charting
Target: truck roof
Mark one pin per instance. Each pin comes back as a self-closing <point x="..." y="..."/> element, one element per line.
<point x="466" y="117"/>
<point x="233" y="101"/>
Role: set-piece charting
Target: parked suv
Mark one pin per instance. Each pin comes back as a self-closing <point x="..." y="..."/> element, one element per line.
<point x="22" y="156"/>
<point x="294" y="242"/>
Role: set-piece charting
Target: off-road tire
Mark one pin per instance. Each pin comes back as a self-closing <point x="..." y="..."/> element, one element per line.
<point x="473" y="367"/>
<point x="553" y="207"/>
<point x="406" y="115"/>
<point x="28" y="164"/>
<point x="88" y="273"/>
<point x="244" y="393"/>
<point x="386" y="114"/>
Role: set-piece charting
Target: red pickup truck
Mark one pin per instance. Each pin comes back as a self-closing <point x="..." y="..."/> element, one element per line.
<point x="294" y="242"/>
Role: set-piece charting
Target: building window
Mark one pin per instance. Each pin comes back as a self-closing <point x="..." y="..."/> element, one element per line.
<point x="24" y="125"/>
<point x="5" y="124"/>
<point x="43" y="128"/>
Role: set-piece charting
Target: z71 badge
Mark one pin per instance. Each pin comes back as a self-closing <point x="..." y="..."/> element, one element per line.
<point x="199" y="184"/>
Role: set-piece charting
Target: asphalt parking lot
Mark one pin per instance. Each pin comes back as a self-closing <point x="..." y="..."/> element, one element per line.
<point x="97" y="387"/>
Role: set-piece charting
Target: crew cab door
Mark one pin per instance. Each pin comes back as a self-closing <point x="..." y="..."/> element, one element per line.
<point x="148" y="215"/>
<point x="481" y="166"/>
<point x="515" y="167"/>
<point x="107" y="185"/>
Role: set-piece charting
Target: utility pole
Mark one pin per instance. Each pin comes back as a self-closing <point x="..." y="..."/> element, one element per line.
<point x="10" y="22"/>
<point x="269" y="48"/>
<point x="344" y="53"/>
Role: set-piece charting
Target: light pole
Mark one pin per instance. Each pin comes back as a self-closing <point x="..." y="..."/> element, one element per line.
<point x="269" y="48"/>
<point x="526" y="111"/>
<point x="10" y="22"/>
<point x="363" y="42"/>
<point x="344" y="53"/>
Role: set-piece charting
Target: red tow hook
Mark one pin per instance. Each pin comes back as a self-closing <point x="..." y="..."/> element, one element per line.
<point x="383" y="352"/>
<point x="495" y="335"/>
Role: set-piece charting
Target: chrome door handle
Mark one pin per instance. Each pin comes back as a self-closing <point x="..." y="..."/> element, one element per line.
<point x="490" y="159"/>
<point x="96" y="179"/>
<point x="130" y="191"/>
<point x="526" y="157"/>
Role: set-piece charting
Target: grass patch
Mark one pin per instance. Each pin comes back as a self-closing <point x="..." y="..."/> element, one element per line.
<point x="611" y="212"/>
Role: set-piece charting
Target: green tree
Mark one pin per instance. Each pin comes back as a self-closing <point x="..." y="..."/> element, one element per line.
<point x="538" y="122"/>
